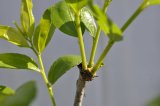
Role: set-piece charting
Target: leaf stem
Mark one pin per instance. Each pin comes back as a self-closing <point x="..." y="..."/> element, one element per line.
<point x="49" y="87"/>
<point x="94" y="47"/>
<point x="133" y="17"/>
<point x="102" y="56"/>
<point x="32" y="47"/>
<point x="95" y="41"/>
<point x="80" y="38"/>
<point x="110" y="43"/>
<point x="19" y="29"/>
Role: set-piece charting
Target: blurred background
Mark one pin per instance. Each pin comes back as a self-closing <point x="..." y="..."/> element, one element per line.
<point x="130" y="76"/>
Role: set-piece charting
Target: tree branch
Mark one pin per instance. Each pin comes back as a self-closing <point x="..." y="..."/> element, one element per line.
<point x="80" y="91"/>
<point x="84" y="76"/>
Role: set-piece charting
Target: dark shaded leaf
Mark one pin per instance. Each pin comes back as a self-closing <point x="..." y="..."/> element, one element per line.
<point x="23" y="97"/>
<point x="154" y="102"/>
<point x="17" y="61"/>
<point x="63" y="18"/>
<point x="61" y="66"/>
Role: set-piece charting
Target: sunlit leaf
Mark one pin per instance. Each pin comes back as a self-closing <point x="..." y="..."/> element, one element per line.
<point x="44" y="31"/>
<point x="12" y="35"/>
<point x="4" y="90"/>
<point x="63" y="18"/>
<point x="151" y="2"/>
<point x="17" y="61"/>
<point x="27" y="18"/>
<point x="77" y="5"/>
<point x="88" y="21"/>
<point x="23" y="97"/>
<point x="61" y="66"/>
<point x="106" y="24"/>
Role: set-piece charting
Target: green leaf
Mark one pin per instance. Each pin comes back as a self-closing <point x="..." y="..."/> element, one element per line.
<point x="88" y="21"/>
<point x="12" y="35"/>
<point x="17" y="61"/>
<point x="44" y="31"/>
<point x="63" y="18"/>
<point x="61" y="66"/>
<point x="151" y="2"/>
<point x="77" y="5"/>
<point x="23" y="97"/>
<point x="106" y="24"/>
<point x="27" y="18"/>
<point x="4" y="90"/>
<point x="154" y="102"/>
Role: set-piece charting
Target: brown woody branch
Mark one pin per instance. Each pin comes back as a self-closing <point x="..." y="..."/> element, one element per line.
<point x="84" y="76"/>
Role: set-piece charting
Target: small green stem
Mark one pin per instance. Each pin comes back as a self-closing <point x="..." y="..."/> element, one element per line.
<point x="49" y="87"/>
<point x="19" y="29"/>
<point x="32" y="47"/>
<point x="96" y="39"/>
<point x="133" y="17"/>
<point x="81" y="42"/>
<point x="110" y="43"/>
<point x="94" y="47"/>
<point x="102" y="56"/>
<point x="106" y="4"/>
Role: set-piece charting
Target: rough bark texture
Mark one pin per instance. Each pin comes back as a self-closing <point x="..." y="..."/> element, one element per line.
<point x="84" y="76"/>
<point x="80" y="91"/>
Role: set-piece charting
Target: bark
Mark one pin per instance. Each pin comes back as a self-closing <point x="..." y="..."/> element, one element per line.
<point x="84" y="76"/>
<point x="80" y="91"/>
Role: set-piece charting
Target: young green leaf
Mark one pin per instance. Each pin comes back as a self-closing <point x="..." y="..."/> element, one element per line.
<point x="4" y="90"/>
<point x="17" y="61"/>
<point x="77" y="5"/>
<point x="44" y="31"/>
<point x="23" y="97"/>
<point x="63" y="18"/>
<point x="12" y="35"/>
<point x="88" y="21"/>
<point x="27" y="18"/>
<point x="106" y="24"/>
<point x="151" y="2"/>
<point x="61" y="66"/>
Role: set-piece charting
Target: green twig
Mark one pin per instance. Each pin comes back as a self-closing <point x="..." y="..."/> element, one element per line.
<point x="95" y="41"/>
<point x="110" y="44"/>
<point x="80" y="82"/>
<point x="94" y="47"/>
<point x="102" y="56"/>
<point x="81" y="42"/>
<point x="133" y="17"/>
<point x="49" y="87"/>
